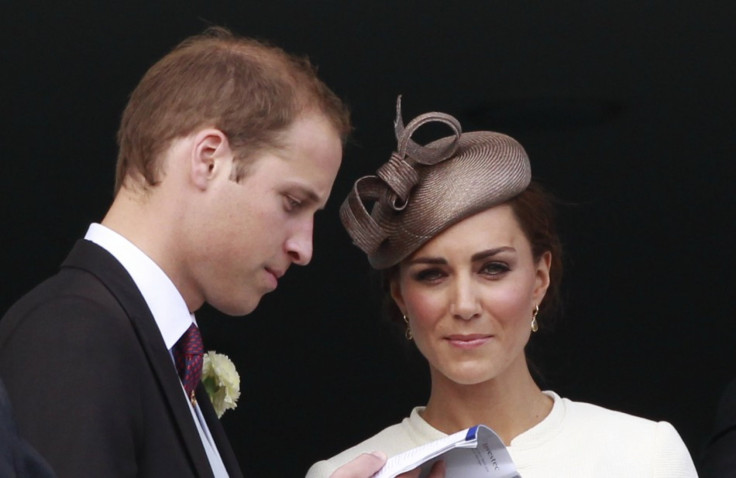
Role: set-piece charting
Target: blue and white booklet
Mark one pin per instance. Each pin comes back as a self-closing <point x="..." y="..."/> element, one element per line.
<point x="476" y="452"/>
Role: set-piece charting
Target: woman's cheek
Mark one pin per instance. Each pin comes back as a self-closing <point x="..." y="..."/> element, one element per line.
<point x="510" y="303"/>
<point x="424" y="308"/>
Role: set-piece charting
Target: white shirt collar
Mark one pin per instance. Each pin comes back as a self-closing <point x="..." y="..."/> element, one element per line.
<point x="163" y="299"/>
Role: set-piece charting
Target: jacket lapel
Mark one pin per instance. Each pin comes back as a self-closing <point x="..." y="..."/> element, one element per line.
<point x="218" y="433"/>
<point x="96" y="260"/>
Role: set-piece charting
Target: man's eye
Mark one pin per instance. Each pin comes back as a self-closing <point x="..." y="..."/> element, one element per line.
<point x="292" y="203"/>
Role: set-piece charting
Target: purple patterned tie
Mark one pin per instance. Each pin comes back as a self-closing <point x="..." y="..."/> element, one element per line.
<point x="188" y="352"/>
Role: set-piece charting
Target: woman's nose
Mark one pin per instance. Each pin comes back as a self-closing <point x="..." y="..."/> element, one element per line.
<point x="466" y="304"/>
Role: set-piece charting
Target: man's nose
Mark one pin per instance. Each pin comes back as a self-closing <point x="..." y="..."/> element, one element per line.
<point x="299" y="245"/>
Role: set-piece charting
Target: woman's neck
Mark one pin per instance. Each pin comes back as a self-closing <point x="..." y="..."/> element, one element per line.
<point x="509" y="405"/>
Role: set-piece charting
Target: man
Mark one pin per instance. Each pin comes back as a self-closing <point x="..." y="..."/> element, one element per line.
<point x="227" y="148"/>
<point x="719" y="455"/>
<point x="17" y="458"/>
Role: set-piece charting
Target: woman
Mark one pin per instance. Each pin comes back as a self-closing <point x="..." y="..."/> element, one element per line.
<point x="469" y="250"/>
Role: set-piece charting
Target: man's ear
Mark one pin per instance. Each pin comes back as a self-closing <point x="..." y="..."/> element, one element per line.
<point x="210" y="156"/>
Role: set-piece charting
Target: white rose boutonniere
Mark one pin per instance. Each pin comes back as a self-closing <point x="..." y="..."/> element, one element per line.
<point x="221" y="381"/>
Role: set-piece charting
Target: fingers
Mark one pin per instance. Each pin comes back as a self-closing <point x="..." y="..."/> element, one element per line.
<point x="410" y="474"/>
<point x="437" y="471"/>
<point x="367" y="464"/>
<point x="364" y="466"/>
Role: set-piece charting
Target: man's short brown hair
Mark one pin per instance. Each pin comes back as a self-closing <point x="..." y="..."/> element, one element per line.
<point x="250" y="90"/>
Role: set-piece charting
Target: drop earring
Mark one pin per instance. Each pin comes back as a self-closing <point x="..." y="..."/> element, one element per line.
<point x="535" y="325"/>
<point x="407" y="332"/>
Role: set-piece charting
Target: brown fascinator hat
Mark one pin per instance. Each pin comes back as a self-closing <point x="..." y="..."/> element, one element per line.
<point x="423" y="190"/>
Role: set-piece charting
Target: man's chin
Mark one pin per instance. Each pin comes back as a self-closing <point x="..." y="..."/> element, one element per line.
<point x="238" y="309"/>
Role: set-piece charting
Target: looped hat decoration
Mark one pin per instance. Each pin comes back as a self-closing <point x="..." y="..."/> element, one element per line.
<point x="423" y="190"/>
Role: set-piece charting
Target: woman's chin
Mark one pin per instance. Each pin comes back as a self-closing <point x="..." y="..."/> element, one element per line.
<point x="470" y="374"/>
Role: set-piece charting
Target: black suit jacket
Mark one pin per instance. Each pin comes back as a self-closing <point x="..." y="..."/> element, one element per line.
<point x="17" y="458"/>
<point x="719" y="457"/>
<point x="91" y="380"/>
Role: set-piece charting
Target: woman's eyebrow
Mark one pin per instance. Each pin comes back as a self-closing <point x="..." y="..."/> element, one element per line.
<point x="479" y="256"/>
<point x="427" y="260"/>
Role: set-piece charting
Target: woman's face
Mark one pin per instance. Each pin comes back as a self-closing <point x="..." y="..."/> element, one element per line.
<point x="469" y="295"/>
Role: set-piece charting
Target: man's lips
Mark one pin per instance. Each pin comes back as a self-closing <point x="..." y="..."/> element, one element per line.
<point x="278" y="274"/>
<point x="275" y="275"/>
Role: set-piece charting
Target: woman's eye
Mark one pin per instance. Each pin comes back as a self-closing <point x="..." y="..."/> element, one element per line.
<point x="429" y="275"/>
<point x="495" y="269"/>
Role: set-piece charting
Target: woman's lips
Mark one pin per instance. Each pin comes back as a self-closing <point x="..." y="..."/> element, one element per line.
<point x="469" y="341"/>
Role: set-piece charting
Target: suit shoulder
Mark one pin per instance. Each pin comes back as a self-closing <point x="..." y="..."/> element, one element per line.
<point x="69" y="317"/>
<point x="72" y="298"/>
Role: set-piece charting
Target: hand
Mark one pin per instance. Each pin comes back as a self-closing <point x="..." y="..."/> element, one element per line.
<point x="364" y="466"/>
<point x="437" y="471"/>
<point x="368" y="464"/>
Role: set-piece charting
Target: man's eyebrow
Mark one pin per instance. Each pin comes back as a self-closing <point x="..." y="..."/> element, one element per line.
<point x="309" y="194"/>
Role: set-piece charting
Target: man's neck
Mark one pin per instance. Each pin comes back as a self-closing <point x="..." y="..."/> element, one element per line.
<point x="151" y="222"/>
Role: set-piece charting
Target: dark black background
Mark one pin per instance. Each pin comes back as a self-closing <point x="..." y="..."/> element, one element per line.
<point x="626" y="108"/>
